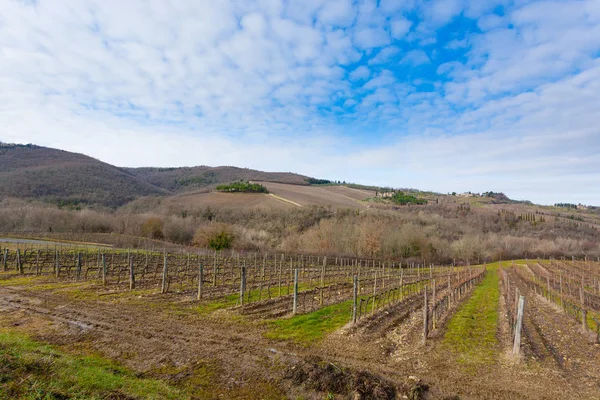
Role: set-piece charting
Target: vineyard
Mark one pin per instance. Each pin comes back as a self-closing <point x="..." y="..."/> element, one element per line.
<point x="258" y="285"/>
<point x="163" y="312"/>
<point x="572" y="286"/>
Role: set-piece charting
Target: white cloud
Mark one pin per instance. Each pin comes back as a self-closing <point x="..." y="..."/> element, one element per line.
<point x="458" y="44"/>
<point x="384" y="55"/>
<point x="535" y="50"/>
<point x="415" y="57"/>
<point x="360" y="73"/>
<point x="392" y="6"/>
<point x="442" y="11"/>
<point x="448" y="67"/>
<point x="303" y="11"/>
<point x="400" y="27"/>
<point x="489" y="22"/>
<point x="254" y="23"/>
<point x="337" y="12"/>
<point x="385" y="78"/>
<point x="368" y="38"/>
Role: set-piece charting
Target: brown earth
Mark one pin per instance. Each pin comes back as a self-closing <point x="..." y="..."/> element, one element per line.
<point x="334" y="196"/>
<point x="558" y="343"/>
<point x="281" y="197"/>
<point x="252" y="201"/>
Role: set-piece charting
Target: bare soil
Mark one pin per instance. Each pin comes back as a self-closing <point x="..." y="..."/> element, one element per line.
<point x="559" y="344"/>
<point x="315" y="195"/>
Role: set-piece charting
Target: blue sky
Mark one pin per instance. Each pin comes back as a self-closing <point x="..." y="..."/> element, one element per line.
<point x="443" y="95"/>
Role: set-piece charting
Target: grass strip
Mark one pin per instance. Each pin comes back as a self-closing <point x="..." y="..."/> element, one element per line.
<point x="471" y="332"/>
<point x="307" y="329"/>
<point x="32" y="370"/>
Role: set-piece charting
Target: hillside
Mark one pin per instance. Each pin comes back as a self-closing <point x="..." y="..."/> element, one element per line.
<point x="65" y="178"/>
<point x="187" y="179"/>
<point x="35" y="172"/>
<point x="280" y="197"/>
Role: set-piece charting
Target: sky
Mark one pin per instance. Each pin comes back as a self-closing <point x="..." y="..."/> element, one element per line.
<point x="441" y="95"/>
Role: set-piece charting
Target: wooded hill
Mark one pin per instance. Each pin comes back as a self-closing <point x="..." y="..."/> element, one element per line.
<point x="74" y="180"/>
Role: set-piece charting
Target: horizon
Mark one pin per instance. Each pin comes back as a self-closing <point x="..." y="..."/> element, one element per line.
<point x="397" y="188"/>
<point x="441" y="96"/>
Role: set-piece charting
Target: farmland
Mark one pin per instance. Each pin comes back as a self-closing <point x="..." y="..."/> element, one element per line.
<point x="205" y="324"/>
<point x="280" y="197"/>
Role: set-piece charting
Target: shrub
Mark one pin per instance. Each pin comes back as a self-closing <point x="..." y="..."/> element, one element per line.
<point x="403" y="199"/>
<point x="215" y="236"/>
<point x="178" y="231"/>
<point x="153" y="228"/>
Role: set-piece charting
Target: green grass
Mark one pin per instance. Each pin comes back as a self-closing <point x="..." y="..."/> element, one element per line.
<point x="211" y="306"/>
<point x="471" y="333"/>
<point x="233" y="299"/>
<point x="31" y="370"/>
<point x="307" y="329"/>
<point x="9" y="279"/>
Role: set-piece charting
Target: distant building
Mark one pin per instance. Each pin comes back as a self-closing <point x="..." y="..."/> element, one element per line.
<point x="385" y="195"/>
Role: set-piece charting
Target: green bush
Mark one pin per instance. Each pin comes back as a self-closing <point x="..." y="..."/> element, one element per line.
<point x="243" y="187"/>
<point x="216" y="236"/>
<point x="403" y="199"/>
<point x="221" y="241"/>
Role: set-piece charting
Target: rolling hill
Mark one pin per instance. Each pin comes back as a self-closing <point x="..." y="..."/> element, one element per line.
<point x="35" y="172"/>
<point x="187" y="179"/>
<point x="65" y="178"/>
<point x="281" y="196"/>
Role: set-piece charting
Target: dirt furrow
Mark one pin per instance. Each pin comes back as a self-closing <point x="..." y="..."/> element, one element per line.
<point x="558" y="341"/>
<point x="145" y="339"/>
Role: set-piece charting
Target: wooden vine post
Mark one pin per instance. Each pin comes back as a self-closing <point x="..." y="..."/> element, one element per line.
<point x="322" y="280"/>
<point x="354" y="299"/>
<point x="433" y="316"/>
<point x="425" y="316"/>
<point x="242" y="285"/>
<point x="295" y="305"/>
<point x="78" y="268"/>
<point x="131" y="274"/>
<point x="279" y="276"/>
<point x="5" y="260"/>
<point x="104" y="270"/>
<point x="19" y="263"/>
<point x="214" y="282"/>
<point x="37" y="262"/>
<point x="583" y="310"/>
<point x="562" y="303"/>
<point x="163" y="288"/>
<point x="57" y="265"/>
<point x="517" y="296"/>
<point x="519" y="325"/>
<point x="200" y="280"/>
<point x="374" y="293"/>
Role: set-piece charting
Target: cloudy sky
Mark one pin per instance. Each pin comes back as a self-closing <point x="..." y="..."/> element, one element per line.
<point x="443" y="95"/>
